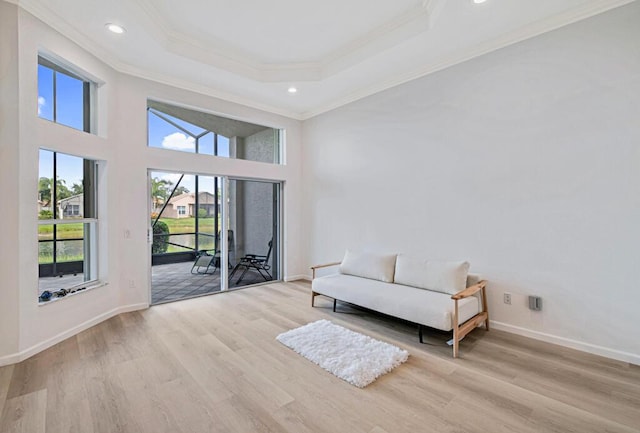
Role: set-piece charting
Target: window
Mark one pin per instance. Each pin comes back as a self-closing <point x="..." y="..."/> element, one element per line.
<point x="182" y="210"/>
<point x="177" y="128"/>
<point x="71" y="210"/>
<point x="63" y="96"/>
<point x="67" y="224"/>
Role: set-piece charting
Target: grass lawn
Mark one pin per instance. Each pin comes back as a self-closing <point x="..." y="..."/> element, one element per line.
<point x="176" y="225"/>
<point x="188" y="225"/>
<point x="76" y="231"/>
<point x="65" y="231"/>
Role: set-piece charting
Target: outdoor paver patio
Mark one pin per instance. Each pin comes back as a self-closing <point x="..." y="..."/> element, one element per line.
<point x="168" y="282"/>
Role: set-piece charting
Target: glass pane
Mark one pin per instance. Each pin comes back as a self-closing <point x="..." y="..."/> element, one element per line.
<point x="45" y="92"/>
<point x="45" y="243"/>
<point x="45" y="181"/>
<point x="69" y="101"/>
<point x="223" y="146"/>
<point x="67" y="262"/>
<point x="70" y="242"/>
<point x="185" y="227"/>
<point x="45" y="252"/>
<point x="209" y="204"/>
<point x="254" y="220"/>
<point x="206" y="144"/>
<point x="69" y="251"/>
<point x="69" y="189"/>
<point x="235" y="138"/>
<point x="164" y="135"/>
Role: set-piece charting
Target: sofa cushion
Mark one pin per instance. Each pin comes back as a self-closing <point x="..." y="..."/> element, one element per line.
<point x="369" y="265"/>
<point x="434" y="309"/>
<point x="445" y="277"/>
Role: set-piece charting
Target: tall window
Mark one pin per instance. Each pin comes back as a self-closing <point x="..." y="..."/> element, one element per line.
<point x="63" y="96"/>
<point x="67" y="223"/>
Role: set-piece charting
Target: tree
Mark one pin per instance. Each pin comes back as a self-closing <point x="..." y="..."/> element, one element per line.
<point x="160" y="190"/>
<point x="62" y="191"/>
<point x="181" y="190"/>
<point x="77" y="189"/>
<point x="44" y="190"/>
<point x="160" y="238"/>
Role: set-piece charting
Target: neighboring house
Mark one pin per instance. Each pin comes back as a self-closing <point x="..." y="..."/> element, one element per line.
<point x="184" y="205"/>
<point x="71" y="207"/>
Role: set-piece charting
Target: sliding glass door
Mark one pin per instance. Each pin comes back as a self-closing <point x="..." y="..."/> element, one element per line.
<point x="186" y="219"/>
<point x="254" y="215"/>
<point x="209" y="234"/>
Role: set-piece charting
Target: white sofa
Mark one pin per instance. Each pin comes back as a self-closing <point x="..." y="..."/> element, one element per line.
<point x="441" y="295"/>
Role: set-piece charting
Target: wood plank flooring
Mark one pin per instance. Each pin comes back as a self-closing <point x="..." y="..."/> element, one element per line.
<point x="212" y="364"/>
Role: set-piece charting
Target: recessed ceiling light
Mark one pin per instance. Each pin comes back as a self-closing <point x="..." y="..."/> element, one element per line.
<point x="479" y="1"/>
<point x="115" y="28"/>
<point x="292" y="89"/>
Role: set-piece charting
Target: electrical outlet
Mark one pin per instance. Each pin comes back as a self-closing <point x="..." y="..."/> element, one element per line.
<point x="132" y="284"/>
<point x="507" y="298"/>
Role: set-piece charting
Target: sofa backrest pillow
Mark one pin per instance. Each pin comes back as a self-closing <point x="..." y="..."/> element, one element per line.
<point x="445" y="277"/>
<point x="369" y="265"/>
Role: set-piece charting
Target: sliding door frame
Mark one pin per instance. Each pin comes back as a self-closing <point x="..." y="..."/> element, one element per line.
<point x="278" y="221"/>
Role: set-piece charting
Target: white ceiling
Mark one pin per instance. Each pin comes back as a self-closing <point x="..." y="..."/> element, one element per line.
<point x="333" y="51"/>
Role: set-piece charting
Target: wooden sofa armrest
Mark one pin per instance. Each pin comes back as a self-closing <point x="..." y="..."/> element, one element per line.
<point x="460" y="330"/>
<point x="470" y="291"/>
<point x="313" y="269"/>
<point x="326" y="265"/>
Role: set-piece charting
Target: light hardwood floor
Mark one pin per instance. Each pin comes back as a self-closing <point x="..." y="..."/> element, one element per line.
<point x="212" y="364"/>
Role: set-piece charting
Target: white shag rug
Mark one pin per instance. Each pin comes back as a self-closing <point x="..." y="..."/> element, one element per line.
<point x="351" y="356"/>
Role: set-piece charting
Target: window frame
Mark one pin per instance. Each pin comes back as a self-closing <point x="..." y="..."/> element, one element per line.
<point x="90" y="222"/>
<point x="88" y="92"/>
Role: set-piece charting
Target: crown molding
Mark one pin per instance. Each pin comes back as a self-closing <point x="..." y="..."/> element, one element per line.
<point x="207" y="91"/>
<point x="61" y="26"/>
<point x="521" y="34"/>
<point x="221" y="54"/>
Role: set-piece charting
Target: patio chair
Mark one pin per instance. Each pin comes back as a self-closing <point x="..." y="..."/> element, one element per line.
<point x="203" y="260"/>
<point x="206" y="260"/>
<point x="254" y="261"/>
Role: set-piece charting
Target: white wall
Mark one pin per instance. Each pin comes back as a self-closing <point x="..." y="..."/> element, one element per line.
<point x="121" y="144"/>
<point x="525" y="161"/>
<point x="9" y="185"/>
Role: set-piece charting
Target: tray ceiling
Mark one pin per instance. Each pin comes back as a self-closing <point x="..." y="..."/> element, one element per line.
<point x="334" y="51"/>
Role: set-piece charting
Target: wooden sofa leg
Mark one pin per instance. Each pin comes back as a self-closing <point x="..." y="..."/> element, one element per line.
<point x="485" y="308"/>
<point x="334" y="305"/>
<point x="456" y="329"/>
<point x="420" y="333"/>
<point x="313" y="298"/>
<point x="456" y="342"/>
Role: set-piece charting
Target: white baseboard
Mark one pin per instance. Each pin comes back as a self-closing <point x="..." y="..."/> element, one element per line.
<point x="297" y="277"/>
<point x="37" y="348"/>
<point x="567" y="342"/>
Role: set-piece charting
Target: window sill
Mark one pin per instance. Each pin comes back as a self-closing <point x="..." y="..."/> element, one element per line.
<point x="75" y="291"/>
